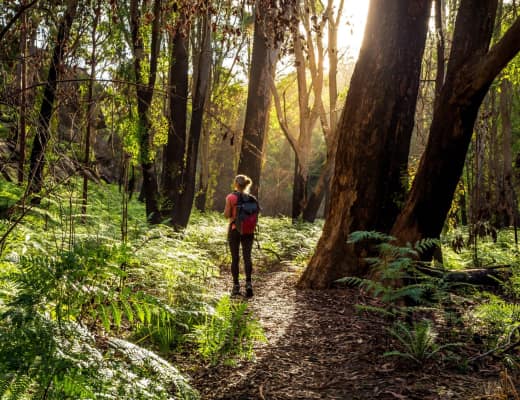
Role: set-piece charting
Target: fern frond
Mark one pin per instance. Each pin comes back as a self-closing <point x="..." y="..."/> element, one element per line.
<point x="376" y="310"/>
<point x="358" y="236"/>
<point x="142" y="357"/>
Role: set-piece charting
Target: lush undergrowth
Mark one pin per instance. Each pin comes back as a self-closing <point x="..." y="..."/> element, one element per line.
<point x="87" y="312"/>
<point x="494" y="314"/>
<point x="94" y="306"/>
<point x="438" y="318"/>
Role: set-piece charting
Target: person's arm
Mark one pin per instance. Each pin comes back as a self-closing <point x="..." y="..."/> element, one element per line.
<point x="228" y="211"/>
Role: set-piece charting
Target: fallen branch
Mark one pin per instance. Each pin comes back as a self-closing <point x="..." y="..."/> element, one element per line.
<point x="492" y="275"/>
<point x="504" y="348"/>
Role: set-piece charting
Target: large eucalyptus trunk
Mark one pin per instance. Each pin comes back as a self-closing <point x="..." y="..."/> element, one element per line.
<point x="471" y="70"/>
<point x="374" y="136"/>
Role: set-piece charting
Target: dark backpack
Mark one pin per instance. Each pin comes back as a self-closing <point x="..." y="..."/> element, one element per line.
<point x="247" y="213"/>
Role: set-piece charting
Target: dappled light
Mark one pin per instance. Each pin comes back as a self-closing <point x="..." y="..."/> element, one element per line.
<point x="259" y="199"/>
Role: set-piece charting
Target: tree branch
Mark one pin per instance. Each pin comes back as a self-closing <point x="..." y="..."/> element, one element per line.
<point x="20" y="12"/>
<point x="281" y="120"/>
<point x="499" y="55"/>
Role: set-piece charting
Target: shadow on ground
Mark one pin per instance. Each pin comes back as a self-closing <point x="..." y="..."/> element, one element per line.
<point x="320" y="347"/>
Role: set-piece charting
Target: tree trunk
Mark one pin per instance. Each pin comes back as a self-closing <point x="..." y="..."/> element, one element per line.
<point x="181" y="214"/>
<point x="173" y="158"/>
<point x="439" y="30"/>
<point x="144" y="93"/>
<point x="90" y="109"/>
<point x="329" y="125"/>
<point x="22" y="131"/>
<point x="202" y="192"/>
<point x="374" y="136"/>
<point x="37" y="160"/>
<point x="478" y="200"/>
<point x="318" y="194"/>
<point x="471" y="71"/>
<point x="509" y="206"/>
<point x="263" y="62"/>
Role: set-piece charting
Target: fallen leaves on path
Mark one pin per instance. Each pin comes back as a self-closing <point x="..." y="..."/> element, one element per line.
<point x="319" y="347"/>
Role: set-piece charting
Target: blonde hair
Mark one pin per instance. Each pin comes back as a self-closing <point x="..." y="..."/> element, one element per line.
<point x="243" y="182"/>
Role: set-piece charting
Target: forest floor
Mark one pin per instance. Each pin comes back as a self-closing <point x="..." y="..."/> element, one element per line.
<point x="320" y="347"/>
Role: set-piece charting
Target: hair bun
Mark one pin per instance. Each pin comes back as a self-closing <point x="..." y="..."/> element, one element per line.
<point x="243" y="181"/>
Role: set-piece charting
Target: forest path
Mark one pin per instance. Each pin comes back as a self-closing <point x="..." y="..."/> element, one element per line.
<point x="319" y="347"/>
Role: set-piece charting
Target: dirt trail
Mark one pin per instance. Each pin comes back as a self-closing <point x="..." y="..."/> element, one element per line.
<point x="319" y="347"/>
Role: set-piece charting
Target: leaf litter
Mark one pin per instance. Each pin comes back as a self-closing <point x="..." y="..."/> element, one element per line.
<point x="319" y="346"/>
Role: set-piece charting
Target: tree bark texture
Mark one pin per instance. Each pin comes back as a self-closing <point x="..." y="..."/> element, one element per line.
<point x="144" y="92"/>
<point x="374" y="136"/>
<point x="173" y="159"/>
<point x="441" y="45"/>
<point x="263" y="62"/>
<point x="181" y="213"/>
<point x="507" y="208"/>
<point x="37" y="159"/>
<point x="471" y="70"/>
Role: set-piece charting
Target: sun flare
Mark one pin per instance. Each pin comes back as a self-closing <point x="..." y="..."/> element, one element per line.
<point x="352" y="26"/>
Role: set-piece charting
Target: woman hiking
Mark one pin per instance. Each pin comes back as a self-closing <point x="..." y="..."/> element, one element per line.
<point x="241" y="211"/>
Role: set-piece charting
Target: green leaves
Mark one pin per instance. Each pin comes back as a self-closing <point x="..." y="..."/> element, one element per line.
<point x="229" y="332"/>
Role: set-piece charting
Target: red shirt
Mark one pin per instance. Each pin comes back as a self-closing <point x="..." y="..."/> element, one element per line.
<point x="232" y="200"/>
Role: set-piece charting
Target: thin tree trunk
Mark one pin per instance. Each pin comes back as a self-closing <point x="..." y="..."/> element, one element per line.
<point x="201" y="196"/>
<point x="478" y="201"/>
<point x="318" y="194"/>
<point x="22" y="133"/>
<point x="263" y="62"/>
<point x="144" y="91"/>
<point x="506" y="97"/>
<point x="329" y="125"/>
<point x="439" y="29"/>
<point x="90" y="109"/>
<point x="41" y="139"/>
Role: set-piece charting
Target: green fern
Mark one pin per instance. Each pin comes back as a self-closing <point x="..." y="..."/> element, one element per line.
<point x="393" y="263"/>
<point x="229" y="332"/>
<point x="496" y="318"/>
<point x="418" y="342"/>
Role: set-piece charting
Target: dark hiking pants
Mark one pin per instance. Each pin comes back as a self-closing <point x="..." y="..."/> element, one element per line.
<point x="235" y="240"/>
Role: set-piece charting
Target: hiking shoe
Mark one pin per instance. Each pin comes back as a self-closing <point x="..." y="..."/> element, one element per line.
<point x="236" y="290"/>
<point x="249" y="289"/>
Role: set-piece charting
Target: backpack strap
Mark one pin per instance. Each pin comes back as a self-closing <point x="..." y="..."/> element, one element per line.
<point x="240" y="200"/>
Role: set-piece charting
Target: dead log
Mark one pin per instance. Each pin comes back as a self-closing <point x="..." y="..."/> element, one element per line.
<point x="492" y="275"/>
